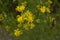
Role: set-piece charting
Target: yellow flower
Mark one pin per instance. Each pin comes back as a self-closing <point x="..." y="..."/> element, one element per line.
<point x="24" y="16"/>
<point x="18" y="32"/>
<point x="17" y="8"/>
<point x="20" y="8"/>
<point x="28" y="13"/>
<point x="43" y="9"/>
<point x="51" y="19"/>
<point x="32" y="26"/>
<point x="28" y="16"/>
<point x="30" y="19"/>
<point x="48" y="10"/>
<point x="7" y="27"/>
<point x="38" y="20"/>
<point x="26" y="27"/>
<point x="20" y="19"/>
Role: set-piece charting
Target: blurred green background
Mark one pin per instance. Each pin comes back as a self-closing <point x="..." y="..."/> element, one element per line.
<point x="42" y="31"/>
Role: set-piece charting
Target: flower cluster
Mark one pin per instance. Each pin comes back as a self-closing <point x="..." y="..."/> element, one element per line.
<point x="25" y="21"/>
<point x="28" y="20"/>
<point x="21" y="7"/>
<point x="44" y="9"/>
<point x="28" y="16"/>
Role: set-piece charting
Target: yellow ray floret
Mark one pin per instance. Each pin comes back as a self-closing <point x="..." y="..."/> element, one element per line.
<point x="29" y="16"/>
<point x="20" y="19"/>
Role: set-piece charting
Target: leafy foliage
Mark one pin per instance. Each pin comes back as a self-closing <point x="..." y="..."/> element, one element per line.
<point x="29" y="19"/>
